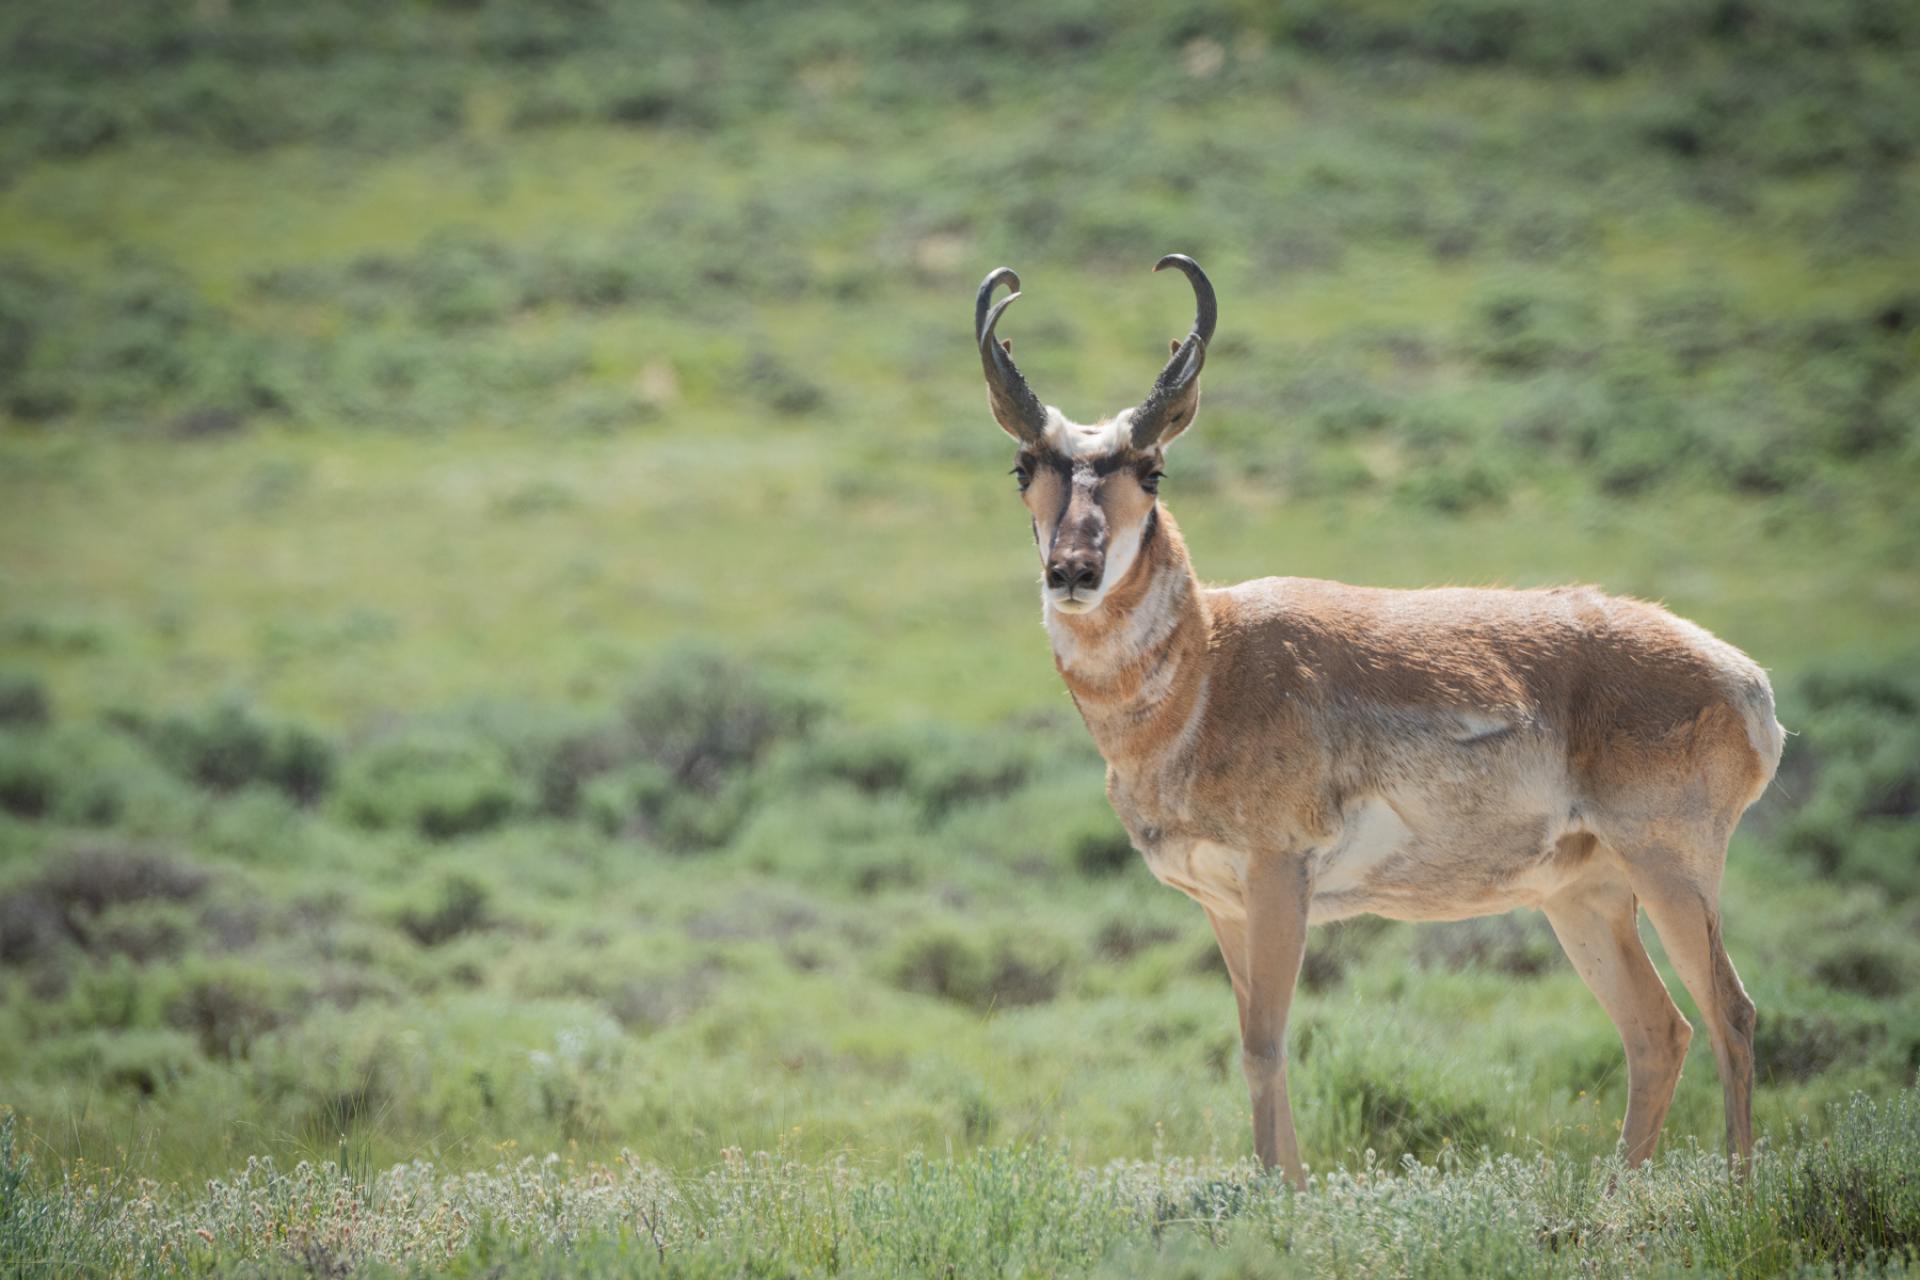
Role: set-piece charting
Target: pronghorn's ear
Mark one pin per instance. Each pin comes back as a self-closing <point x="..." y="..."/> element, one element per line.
<point x="1170" y="407"/>
<point x="1176" y="414"/>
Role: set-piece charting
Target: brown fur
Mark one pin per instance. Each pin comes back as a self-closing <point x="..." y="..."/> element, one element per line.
<point x="1287" y="750"/>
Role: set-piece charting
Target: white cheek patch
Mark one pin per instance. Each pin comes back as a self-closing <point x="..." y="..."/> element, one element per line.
<point x="1122" y="551"/>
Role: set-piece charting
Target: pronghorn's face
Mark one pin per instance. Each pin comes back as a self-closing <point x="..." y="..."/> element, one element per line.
<point x="1091" y="495"/>
<point x="1091" y="490"/>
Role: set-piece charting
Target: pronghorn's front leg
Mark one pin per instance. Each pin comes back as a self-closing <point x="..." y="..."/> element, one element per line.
<point x="1232" y="935"/>
<point x="1278" y="891"/>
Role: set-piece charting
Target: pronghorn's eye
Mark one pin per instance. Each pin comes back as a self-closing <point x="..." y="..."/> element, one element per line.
<point x="1022" y="475"/>
<point x="1151" y="481"/>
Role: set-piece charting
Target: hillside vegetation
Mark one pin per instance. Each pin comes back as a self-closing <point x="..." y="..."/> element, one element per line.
<point x="514" y="636"/>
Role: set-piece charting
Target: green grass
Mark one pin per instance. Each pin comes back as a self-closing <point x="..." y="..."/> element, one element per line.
<point x="1846" y="1203"/>
<point x="395" y="399"/>
<point x="725" y="917"/>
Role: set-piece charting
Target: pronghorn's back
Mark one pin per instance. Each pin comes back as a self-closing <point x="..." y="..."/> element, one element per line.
<point x="1596" y="675"/>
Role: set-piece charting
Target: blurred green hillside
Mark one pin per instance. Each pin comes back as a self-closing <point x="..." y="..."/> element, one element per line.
<point x="636" y="323"/>
<point x="514" y="634"/>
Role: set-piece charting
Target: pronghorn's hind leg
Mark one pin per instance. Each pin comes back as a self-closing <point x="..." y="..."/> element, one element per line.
<point x="1597" y="922"/>
<point x="1686" y="914"/>
<point x="1667" y="822"/>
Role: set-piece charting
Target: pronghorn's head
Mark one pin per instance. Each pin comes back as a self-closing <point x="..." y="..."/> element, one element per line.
<point x="1091" y="489"/>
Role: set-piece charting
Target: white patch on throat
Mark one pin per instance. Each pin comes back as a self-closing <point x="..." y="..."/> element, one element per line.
<point x="1146" y="625"/>
<point x="1158" y="611"/>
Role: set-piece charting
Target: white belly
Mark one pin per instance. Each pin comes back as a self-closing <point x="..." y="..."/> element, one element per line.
<point x="1381" y="865"/>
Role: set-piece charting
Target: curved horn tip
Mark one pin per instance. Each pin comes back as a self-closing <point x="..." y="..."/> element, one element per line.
<point x="1180" y="260"/>
<point x="992" y="318"/>
<point x="1000" y="275"/>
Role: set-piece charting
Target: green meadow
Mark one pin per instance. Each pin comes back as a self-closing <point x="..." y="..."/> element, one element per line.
<point x="526" y="744"/>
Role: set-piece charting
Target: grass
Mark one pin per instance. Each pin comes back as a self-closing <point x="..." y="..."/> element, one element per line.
<point x="1846" y="1202"/>
<point x="514" y="637"/>
<point x="731" y="914"/>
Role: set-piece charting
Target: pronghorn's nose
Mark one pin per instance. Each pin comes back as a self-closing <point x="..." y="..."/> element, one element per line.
<point x="1073" y="571"/>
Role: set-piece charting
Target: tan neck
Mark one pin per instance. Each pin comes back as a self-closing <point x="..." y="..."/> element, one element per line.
<point x="1136" y="665"/>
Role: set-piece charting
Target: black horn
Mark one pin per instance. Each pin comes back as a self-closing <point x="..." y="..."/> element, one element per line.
<point x="1014" y="405"/>
<point x="1169" y="407"/>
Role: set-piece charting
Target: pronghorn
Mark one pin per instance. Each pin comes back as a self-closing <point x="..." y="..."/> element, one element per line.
<point x="1289" y="751"/>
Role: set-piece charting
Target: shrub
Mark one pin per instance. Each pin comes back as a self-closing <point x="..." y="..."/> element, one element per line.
<point x="557" y="753"/>
<point x="1334" y="948"/>
<point x="1859" y="750"/>
<point x="780" y="386"/>
<point x="1104" y="851"/>
<point x="834" y="835"/>
<point x="1790" y="1045"/>
<point x="66" y="903"/>
<point x="23" y="700"/>
<point x="1123" y="937"/>
<point x="1878" y="964"/>
<point x="1517" y="943"/>
<point x="84" y="775"/>
<point x="1455" y="487"/>
<point x="1520" y="331"/>
<point x="92" y="878"/>
<point x="31" y="927"/>
<point x="642" y="801"/>
<point x="1372" y="1095"/>
<point x="29" y="784"/>
<point x="1001" y="969"/>
<point x="1840" y="682"/>
<point x="701" y="718"/>
<point x="439" y="783"/>
<point x="460" y="905"/>
<point x="144" y="1061"/>
<point x="229" y="1008"/>
<point x="939" y="770"/>
<point x="227" y="747"/>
